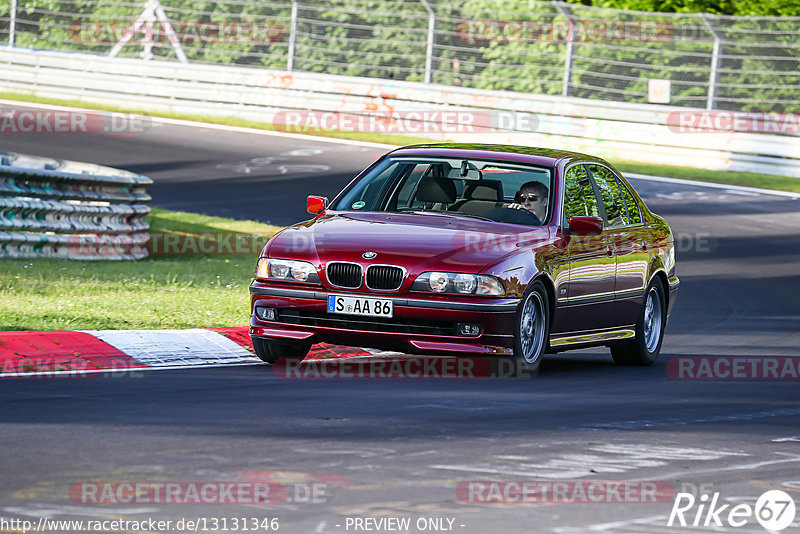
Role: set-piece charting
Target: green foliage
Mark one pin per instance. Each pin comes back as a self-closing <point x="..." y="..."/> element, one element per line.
<point x="475" y="45"/>
<point x="769" y="8"/>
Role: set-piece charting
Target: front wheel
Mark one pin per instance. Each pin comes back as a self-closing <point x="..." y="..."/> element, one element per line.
<point x="270" y="351"/>
<point x="532" y="328"/>
<point x="644" y="348"/>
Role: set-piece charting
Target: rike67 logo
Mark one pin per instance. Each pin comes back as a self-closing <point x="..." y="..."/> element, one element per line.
<point x="774" y="510"/>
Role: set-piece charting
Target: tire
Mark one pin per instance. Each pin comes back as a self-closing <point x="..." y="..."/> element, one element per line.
<point x="270" y="351"/>
<point x="644" y="348"/>
<point x="532" y="329"/>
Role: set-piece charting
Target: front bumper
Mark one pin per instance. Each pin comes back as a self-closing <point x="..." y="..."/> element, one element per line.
<point x="420" y="323"/>
<point x="674" y="284"/>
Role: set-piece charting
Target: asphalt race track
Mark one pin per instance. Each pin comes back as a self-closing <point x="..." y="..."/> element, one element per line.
<point x="212" y="171"/>
<point x="402" y="448"/>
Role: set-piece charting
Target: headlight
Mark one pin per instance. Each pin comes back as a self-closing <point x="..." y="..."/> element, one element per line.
<point x="291" y="270"/>
<point x="489" y="285"/>
<point x="459" y="283"/>
<point x="465" y="283"/>
<point x="438" y="282"/>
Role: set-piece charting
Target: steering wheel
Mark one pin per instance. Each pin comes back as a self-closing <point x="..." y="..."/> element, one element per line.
<point x="513" y="216"/>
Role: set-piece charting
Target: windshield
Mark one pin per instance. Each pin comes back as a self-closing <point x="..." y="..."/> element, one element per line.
<point x="483" y="189"/>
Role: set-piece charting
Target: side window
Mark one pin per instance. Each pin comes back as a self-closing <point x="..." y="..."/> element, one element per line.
<point x="579" y="199"/>
<point x="610" y="195"/>
<point x="634" y="215"/>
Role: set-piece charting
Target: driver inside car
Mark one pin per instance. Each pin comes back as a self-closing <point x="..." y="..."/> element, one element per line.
<point x="532" y="196"/>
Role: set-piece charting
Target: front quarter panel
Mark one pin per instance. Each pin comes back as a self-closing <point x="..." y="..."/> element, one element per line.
<point x="539" y="256"/>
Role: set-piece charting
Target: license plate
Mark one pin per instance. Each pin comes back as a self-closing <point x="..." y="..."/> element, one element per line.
<point x="360" y="306"/>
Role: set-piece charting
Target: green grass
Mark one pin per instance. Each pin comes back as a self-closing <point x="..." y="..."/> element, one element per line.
<point x="192" y="223"/>
<point x="187" y="291"/>
<point x="766" y="181"/>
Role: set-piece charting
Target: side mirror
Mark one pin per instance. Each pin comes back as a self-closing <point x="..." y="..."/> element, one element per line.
<point x="586" y="225"/>
<point x="316" y="205"/>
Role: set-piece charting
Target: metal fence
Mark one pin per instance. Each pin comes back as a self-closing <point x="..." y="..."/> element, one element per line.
<point x="549" y="48"/>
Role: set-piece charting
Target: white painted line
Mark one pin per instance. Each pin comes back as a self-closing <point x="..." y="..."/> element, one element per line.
<point x="258" y="131"/>
<point x="728" y="187"/>
<point x="614" y="458"/>
<point x="673" y="421"/>
<point x="742" y="193"/>
<point x="784" y="440"/>
<point x="615" y="526"/>
<point x="750" y="468"/>
<point x="130" y="370"/>
<point x="171" y="348"/>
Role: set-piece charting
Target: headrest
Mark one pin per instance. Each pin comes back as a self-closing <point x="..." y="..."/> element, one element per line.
<point x="491" y="190"/>
<point x="435" y="189"/>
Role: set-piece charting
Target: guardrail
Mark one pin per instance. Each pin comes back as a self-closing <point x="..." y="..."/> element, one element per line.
<point x="66" y="209"/>
<point x="623" y="131"/>
<point x="555" y="48"/>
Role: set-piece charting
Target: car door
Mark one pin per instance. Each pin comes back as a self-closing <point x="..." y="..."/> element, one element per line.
<point x="630" y="240"/>
<point x="589" y="297"/>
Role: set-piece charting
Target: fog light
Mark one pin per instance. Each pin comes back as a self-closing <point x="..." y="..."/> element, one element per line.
<point x="266" y="314"/>
<point x="469" y="329"/>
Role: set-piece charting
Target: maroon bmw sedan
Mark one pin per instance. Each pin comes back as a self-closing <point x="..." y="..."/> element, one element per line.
<point x="472" y="250"/>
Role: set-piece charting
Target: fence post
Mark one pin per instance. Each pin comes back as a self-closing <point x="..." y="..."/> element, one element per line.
<point x="431" y="41"/>
<point x="12" y="24"/>
<point x="565" y="82"/>
<point x="292" y="35"/>
<point x="716" y="58"/>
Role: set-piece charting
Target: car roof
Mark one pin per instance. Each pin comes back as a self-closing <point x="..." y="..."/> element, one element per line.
<point x="525" y="154"/>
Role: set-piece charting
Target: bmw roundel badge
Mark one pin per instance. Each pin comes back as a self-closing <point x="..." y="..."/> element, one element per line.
<point x="369" y="255"/>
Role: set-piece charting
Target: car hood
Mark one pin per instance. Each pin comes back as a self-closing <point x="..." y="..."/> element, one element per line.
<point x="416" y="242"/>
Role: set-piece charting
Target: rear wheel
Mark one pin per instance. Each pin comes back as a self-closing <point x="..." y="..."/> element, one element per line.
<point x="532" y="329"/>
<point x="644" y="348"/>
<point x="271" y="351"/>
